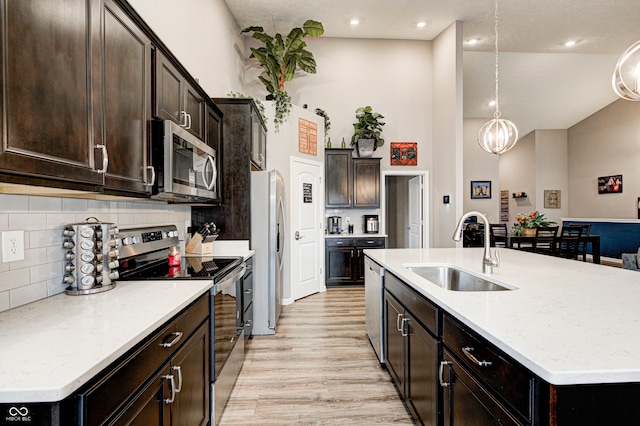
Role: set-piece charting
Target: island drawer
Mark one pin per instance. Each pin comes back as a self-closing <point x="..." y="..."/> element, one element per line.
<point x="421" y="309"/>
<point x="511" y="382"/>
<point x="118" y="382"/>
<point x="373" y="242"/>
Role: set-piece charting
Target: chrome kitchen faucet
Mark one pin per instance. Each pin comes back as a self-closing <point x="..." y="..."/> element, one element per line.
<point x="488" y="262"/>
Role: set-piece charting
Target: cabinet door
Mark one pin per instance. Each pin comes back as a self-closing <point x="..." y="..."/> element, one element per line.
<point x="190" y="366"/>
<point x="422" y="365"/>
<point x="395" y="341"/>
<point x="338" y="182"/>
<point x="258" y="141"/>
<point x="45" y="124"/>
<point x="194" y="107"/>
<point x="213" y="124"/>
<point x="366" y="182"/>
<point x="466" y="402"/>
<point x="169" y="91"/>
<point x="340" y="265"/>
<point x="125" y="86"/>
<point x="149" y="407"/>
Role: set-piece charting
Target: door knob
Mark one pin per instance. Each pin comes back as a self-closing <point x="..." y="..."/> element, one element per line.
<point x="298" y="236"/>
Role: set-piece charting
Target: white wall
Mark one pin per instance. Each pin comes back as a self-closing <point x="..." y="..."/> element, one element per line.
<point x="517" y="170"/>
<point x="552" y="171"/>
<point x="480" y="165"/>
<point x="606" y="143"/>
<point x="447" y="134"/>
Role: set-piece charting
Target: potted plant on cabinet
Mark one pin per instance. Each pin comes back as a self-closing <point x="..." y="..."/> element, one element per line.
<point x="367" y="131"/>
<point x="327" y="125"/>
<point x="280" y="58"/>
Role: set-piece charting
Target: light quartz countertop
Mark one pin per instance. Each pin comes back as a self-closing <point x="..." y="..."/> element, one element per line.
<point x="568" y="321"/>
<point x="50" y="348"/>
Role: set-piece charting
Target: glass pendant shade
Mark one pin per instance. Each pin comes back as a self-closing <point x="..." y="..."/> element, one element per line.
<point x="497" y="136"/>
<point x="626" y="75"/>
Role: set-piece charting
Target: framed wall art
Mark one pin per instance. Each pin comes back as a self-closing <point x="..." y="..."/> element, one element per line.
<point x="551" y="198"/>
<point x="307" y="137"/>
<point x="480" y="189"/>
<point x="404" y="154"/>
<point x="504" y="205"/>
<point x="610" y="184"/>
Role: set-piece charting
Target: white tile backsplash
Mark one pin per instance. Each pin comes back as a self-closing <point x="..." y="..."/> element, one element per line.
<point x="39" y="275"/>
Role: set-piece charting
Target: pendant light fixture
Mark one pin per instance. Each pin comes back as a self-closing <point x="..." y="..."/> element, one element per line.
<point x="626" y="75"/>
<point x="498" y="135"/>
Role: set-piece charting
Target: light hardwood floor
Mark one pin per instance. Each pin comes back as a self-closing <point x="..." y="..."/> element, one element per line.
<point x="318" y="369"/>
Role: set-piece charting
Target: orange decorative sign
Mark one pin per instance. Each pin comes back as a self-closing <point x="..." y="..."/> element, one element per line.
<point x="404" y="153"/>
<point x="307" y="137"/>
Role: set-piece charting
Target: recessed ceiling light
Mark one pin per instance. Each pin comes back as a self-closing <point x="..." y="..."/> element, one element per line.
<point x="354" y="21"/>
<point x="421" y="24"/>
<point x="492" y="103"/>
<point x="473" y="41"/>
<point x="570" y="43"/>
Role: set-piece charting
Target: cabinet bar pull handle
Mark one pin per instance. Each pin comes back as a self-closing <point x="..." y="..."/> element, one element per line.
<point x="179" y="370"/>
<point x="153" y="176"/>
<point x="176" y="339"/>
<point x="248" y="323"/>
<point x="183" y="119"/>
<point x="188" y="126"/>
<point x="398" y="323"/>
<point x="402" y="327"/>
<point x="467" y="351"/>
<point x="441" y="374"/>
<point x="105" y="158"/>
<point x="173" y="389"/>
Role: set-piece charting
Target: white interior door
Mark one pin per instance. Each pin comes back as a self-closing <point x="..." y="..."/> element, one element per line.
<point x="415" y="212"/>
<point x="307" y="244"/>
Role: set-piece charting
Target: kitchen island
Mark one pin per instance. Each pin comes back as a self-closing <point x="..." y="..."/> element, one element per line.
<point x="572" y="324"/>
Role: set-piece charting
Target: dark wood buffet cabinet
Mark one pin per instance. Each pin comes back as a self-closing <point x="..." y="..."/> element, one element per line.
<point x="80" y="92"/>
<point x="344" y="259"/>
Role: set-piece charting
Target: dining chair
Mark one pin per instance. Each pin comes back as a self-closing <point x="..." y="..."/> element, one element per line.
<point x="570" y="238"/>
<point x="498" y="232"/>
<point x="545" y="242"/>
<point x="582" y="244"/>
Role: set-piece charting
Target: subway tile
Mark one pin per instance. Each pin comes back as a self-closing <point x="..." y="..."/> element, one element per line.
<point x="57" y="221"/>
<point x="98" y="206"/>
<point x="126" y="220"/>
<point x="74" y="205"/>
<point x="55" y="254"/>
<point x="55" y="286"/>
<point x="45" y="204"/>
<point x="46" y="238"/>
<point x="14" y="203"/>
<point x="45" y="271"/>
<point x="4" y="301"/>
<point x="14" y="278"/>
<point x="4" y="222"/>
<point x="32" y="221"/>
<point x="27" y="294"/>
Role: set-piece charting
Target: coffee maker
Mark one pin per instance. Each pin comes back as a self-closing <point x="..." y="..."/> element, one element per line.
<point x="334" y="224"/>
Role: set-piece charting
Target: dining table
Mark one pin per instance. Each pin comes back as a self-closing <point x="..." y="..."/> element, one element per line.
<point x="523" y="241"/>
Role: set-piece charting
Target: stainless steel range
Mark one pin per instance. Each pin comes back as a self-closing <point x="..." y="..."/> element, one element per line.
<point x="145" y="255"/>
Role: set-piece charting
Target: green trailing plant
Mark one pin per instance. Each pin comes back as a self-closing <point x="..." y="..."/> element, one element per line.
<point x="258" y="102"/>
<point x="280" y="57"/>
<point x="327" y="122"/>
<point x="368" y="126"/>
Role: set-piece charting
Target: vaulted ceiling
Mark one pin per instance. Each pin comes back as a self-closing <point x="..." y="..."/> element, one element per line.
<point x="543" y="83"/>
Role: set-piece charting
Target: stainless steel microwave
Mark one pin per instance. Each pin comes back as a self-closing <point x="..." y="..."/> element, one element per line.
<point x="186" y="168"/>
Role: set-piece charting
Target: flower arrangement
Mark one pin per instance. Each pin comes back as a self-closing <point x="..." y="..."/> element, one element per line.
<point x="531" y="221"/>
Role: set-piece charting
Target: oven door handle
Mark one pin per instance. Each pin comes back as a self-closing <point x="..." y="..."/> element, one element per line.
<point x="230" y="279"/>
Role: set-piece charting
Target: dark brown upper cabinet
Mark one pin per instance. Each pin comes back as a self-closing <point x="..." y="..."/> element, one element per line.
<point x="213" y="126"/>
<point x="124" y="84"/>
<point x="46" y="123"/>
<point x="176" y="99"/>
<point x="77" y="100"/>
<point x="351" y="182"/>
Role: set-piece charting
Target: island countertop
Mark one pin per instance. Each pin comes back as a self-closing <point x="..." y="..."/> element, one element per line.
<point x="568" y="321"/>
<point x="50" y="348"/>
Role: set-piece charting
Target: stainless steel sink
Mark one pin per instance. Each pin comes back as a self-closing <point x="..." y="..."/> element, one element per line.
<point x="454" y="279"/>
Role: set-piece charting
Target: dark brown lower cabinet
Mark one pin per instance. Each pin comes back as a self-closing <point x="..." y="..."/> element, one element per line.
<point x="164" y="381"/>
<point x="412" y="354"/>
<point x="344" y="259"/>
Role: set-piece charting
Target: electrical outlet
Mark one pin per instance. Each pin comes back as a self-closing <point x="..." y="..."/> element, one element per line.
<point x="12" y="246"/>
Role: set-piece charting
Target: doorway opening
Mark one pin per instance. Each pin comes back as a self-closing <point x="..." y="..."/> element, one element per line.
<point x="405" y="204"/>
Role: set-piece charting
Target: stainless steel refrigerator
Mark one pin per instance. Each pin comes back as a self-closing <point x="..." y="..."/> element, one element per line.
<point x="268" y="231"/>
